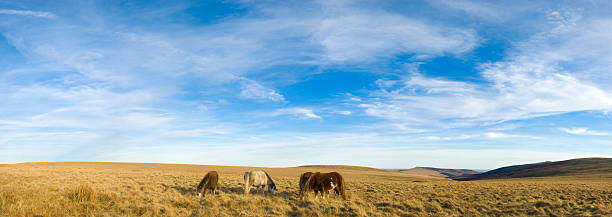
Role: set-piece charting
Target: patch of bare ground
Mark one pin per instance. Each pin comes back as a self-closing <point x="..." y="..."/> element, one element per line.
<point x="122" y="189"/>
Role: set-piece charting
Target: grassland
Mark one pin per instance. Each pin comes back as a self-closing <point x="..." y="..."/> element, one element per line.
<point x="116" y="189"/>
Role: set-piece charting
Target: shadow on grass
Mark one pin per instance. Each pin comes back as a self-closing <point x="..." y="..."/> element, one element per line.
<point x="235" y="190"/>
<point x="232" y="190"/>
<point x="294" y="212"/>
<point x="184" y="190"/>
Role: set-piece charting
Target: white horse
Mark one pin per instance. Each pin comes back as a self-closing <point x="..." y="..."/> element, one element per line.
<point x="258" y="179"/>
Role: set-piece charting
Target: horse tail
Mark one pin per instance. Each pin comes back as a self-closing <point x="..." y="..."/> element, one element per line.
<point x="270" y="180"/>
<point x="307" y="186"/>
<point x="342" y="187"/>
<point x="246" y="182"/>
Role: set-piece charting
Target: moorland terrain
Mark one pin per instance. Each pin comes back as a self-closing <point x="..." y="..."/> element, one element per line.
<point x="138" y="189"/>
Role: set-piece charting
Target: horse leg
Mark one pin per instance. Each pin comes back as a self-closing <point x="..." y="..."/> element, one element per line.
<point x="246" y="186"/>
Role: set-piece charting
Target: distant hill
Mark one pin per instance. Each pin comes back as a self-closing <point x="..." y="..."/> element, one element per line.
<point x="342" y="167"/>
<point x="438" y="172"/>
<point x="582" y="167"/>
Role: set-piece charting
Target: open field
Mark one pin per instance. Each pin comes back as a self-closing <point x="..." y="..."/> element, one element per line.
<point x="118" y="189"/>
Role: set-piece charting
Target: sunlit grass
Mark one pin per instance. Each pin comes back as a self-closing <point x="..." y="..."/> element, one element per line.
<point x="110" y="189"/>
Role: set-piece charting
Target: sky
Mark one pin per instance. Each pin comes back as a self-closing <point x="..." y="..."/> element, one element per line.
<point x="386" y="84"/>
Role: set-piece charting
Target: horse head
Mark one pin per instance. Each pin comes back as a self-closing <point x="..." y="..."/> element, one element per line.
<point x="272" y="188"/>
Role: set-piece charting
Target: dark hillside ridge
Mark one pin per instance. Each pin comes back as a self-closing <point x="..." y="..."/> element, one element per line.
<point x="450" y="173"/>
<point x="439" y="172"/>
<point x="582" y="167"/>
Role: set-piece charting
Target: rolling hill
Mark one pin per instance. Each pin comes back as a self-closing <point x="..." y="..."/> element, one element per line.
<point x="438" y="172"/>
<point x="581" y="168"/>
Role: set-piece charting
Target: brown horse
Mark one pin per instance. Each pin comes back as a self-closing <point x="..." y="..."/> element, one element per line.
<point x="323" y="183"/>
<point x="209" y="182"/>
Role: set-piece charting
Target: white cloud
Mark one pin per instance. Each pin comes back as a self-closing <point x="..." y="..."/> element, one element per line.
<point x="496" y="135"/>
<point x="487" y="135"/>
<point x="85" y="121"/>
<point x="227" y="53"/>
<point x="343" y="112"/>
<point x="357" y="36"/>
<point x="449" y="138"/>
<point x="554" y="72"/>
<point x="584" y="131"/>
<point x="41" y="14"/>
<point x="564" y="20"/>
<point x="254" y="90"/>
<point x="483" y="9"/>
<point x="304" y="113"/>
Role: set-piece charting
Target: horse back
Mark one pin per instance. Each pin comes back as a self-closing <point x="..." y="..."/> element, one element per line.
<point x="209" y="181"/>
<point x="213" y="179"/>
<point x="255" y="177"/>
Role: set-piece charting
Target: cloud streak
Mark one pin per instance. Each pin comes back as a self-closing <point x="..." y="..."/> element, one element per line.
<point x="303" y="113"/>
<point x="583" y="131"/>
<point x="40" y="14"/>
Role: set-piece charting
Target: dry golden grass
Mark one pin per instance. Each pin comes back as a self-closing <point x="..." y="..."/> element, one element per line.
<point x="115" y="189"/>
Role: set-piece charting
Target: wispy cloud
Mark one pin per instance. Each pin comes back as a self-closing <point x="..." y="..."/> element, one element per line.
<point x="449" y="138"/>
<point x="483" y="9"/>
<point x="41" y="14"/>
<point x="354" y="36"/>
<point x="487" y="135"/>
<point x="303" y="113"/>
<point x="254" y="90"/>
<point x="343" y="112"/>
<point x="538" y="79"/>
<point x="583" y="131"/>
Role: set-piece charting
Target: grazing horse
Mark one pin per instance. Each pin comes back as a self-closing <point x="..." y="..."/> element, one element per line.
<point x="303" y="178"/>
<point x="323" y="183"/>
<point x="209" y="182"/>
<point x="258" y="179"/>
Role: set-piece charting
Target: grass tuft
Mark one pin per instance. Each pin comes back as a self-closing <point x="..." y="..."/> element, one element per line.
<point x="83" y="193"/>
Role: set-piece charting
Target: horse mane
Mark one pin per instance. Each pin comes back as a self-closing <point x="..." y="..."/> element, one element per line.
<point x="270" y="179"/>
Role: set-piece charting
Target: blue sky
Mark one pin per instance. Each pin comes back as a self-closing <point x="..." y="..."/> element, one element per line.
<point x="391" y="84"/>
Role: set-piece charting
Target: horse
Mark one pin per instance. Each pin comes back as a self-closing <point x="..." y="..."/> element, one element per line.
<point x="323" y="183"/>
<point x="258" y="178"/>
<point x="209" y="182"/>
<point x="303" y="178"/>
